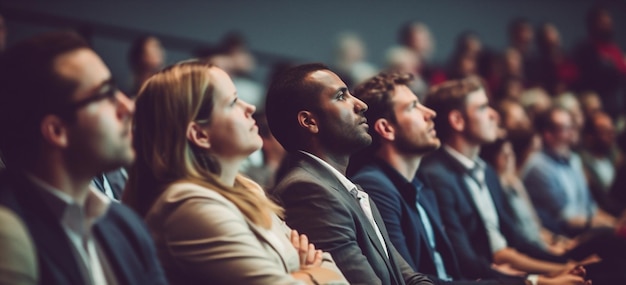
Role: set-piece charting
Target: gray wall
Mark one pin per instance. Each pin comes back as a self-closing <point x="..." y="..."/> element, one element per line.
<point x="305" y="30"/>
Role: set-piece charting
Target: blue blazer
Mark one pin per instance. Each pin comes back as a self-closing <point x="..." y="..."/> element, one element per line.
<point x="462" y="220"/>
<point x="123" y="236"/>
<point x="396" y="200"/>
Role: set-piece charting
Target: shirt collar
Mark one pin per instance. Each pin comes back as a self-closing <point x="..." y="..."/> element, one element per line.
<point x="408" y="189"/>
<point x="342" y="178"/>
<point x="466" y="162"/>
<point x="560" y="159"/>
<point x="62" y="204"/>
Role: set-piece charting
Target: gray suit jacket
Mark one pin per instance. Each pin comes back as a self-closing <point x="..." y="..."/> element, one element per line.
<point x="318" y="205"/>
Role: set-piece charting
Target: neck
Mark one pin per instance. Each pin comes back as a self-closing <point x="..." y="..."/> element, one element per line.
<point x="460" y="144"/>
<point x="405" y="164"/>
<point x="560" y="150"/>
<point x="62" y="178"/>
<point x="229" y="169"/>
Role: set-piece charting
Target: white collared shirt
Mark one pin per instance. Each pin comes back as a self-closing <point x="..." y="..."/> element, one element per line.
<point x="482" y="198"/>
<point x="77" y="222"/>
<point x="363" y="198"/>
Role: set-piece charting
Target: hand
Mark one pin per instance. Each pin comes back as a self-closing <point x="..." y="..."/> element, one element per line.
<point x="309" y="256"/>
<point x="567" y="279"/>
<point x="506" y="268"/>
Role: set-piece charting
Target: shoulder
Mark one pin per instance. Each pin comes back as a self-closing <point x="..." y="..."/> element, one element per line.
<point x="17" y="252"/>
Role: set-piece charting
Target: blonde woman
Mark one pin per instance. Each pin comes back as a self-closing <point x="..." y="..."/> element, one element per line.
<point x="210" y="224"/>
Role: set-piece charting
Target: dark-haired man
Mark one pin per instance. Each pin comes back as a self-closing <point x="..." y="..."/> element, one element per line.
<point x="64" y="123"/>
<point x="313" y="115"/>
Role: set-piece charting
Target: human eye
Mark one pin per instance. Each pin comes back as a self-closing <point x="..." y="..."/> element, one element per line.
<point x="234" y="102"/>
<point x="341" y="95"/>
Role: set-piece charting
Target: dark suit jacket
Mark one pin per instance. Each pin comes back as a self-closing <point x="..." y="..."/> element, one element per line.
<point x="318" y="205"/>
<point x="122" y="235"/>
<point x="396" y="199"/>
<point x="462" y="220"/>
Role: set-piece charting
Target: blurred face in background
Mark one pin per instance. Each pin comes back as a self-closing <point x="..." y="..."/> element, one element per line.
<point x="481" y="121"/>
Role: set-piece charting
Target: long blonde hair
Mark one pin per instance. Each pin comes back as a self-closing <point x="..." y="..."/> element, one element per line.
<point x="167" y="103"/>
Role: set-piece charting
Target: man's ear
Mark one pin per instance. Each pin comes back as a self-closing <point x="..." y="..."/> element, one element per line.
<point x="308" y="121"/>
<point x="456" y="120"/>
<point x="54" y="131"/>
<point x="385" y="129"/>
<point x="198" y="136"/>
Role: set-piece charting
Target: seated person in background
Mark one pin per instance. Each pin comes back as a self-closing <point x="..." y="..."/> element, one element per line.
<point x="320" y="124"/>
<point x="209" y="223"/>
<point x="500" y="155"/>
<point x="555" y="179"/>
<point x="68" y="123"/>
<point x="402" y="133"/>
<point x="601" y="157"/>
<point x="468" y="191"/>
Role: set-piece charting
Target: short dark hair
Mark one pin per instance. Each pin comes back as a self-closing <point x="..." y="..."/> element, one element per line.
<point x="449" y="96"/>
<point x="377" y="93"/>
<point x="289" y="93"/>
<point x="30" y="88"/>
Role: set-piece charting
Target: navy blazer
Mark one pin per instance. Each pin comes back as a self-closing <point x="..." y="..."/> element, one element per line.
<point x="317" y="204"/>
<point x="121" y="233"/>
<point x="462" y="220"/>
<point x="396" y="199"/>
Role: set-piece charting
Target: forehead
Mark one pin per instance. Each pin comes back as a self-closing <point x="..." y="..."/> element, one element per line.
<point x="223" y="85"/>
<point x="476" y="98"/>
<point x="561" y="117"/>
<point x="402" y="95"/>
<point x="327" y="80"/>
<point x="84" y="67"/>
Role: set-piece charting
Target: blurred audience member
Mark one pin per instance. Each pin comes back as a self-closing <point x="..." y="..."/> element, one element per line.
<point x="600" y="157"/>
<point x="601" y="63"/>
<point x="350" y="55"/>
<point x="404" y="60"/>
<point x="240" y="68"/>
<point x="555" y="179"/>
<point x="513" y="117"/>
<point x="553" y="70"/>
<point x="500" y="155"/>
<point x="535" y="101"/>
<point x="145" y="57"/>
<point x="521" y="37"/>
<point x="569" y="102"/>
<point x="590" y="103"/>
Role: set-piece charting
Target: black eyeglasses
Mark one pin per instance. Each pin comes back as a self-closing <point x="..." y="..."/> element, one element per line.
<point x="108" y="90"/>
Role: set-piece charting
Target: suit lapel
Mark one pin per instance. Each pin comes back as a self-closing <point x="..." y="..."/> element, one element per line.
<point x="331" y="180"/>
<point x="459" y="173"/>
<point x="116" y="247"/>
<point x="54" y="249"/>
<point x="262" y="234"/>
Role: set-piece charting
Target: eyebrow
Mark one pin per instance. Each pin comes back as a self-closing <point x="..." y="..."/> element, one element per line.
<point x="341" y="90"/>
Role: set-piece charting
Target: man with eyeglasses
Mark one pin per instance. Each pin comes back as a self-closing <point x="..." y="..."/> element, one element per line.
<point x="63" y="122"/>
<point x="556" y="181"/>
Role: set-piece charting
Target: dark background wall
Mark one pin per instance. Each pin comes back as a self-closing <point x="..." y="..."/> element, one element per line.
<point x="294" y="29"/>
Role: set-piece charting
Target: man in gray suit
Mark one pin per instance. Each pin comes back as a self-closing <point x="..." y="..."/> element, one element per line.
<point x="313" y="115"/>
